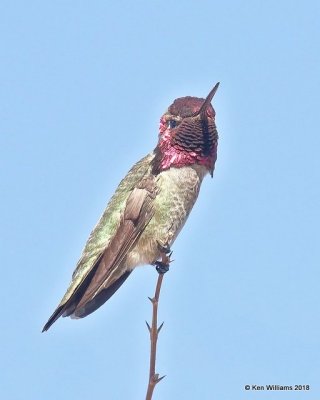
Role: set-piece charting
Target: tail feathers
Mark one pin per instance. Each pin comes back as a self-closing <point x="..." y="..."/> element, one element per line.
<point x="64" y="310"/>
<point x="67" y="308"/>
<point x="91" y="305"/>
<point x="57" y="314"/>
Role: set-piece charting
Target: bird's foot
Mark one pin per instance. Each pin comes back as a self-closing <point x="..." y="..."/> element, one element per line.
<point x="163" y="266"/>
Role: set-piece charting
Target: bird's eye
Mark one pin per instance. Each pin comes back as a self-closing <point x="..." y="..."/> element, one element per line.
<point x="172" y="123"/>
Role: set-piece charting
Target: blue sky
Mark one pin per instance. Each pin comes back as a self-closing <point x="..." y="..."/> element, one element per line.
<point x="83" y="85"/>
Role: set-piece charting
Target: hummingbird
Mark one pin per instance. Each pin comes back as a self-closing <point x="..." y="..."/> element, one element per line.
<point x="148" y="209"/>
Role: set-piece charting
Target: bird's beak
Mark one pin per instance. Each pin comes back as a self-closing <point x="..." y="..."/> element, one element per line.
<point x="207" y="102"/>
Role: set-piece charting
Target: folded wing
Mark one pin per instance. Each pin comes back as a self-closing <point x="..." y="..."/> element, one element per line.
<point x="102" y="269"/>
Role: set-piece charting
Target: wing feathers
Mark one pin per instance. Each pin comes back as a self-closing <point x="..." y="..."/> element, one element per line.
<point x="100" y="298"/>
<point x="137" y="215"/>
<point x="102" y="269"/>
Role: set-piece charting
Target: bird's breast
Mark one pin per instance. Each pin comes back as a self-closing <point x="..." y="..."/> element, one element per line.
<point x="178" y="189"/>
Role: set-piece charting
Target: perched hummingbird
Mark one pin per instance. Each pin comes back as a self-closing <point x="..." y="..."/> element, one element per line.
<point x="148" y="209"/>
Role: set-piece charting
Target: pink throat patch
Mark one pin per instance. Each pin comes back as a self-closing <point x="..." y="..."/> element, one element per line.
<point x="173" y="157"/>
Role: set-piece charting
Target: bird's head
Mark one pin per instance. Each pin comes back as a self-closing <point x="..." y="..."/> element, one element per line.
<point x="188" y="134"/>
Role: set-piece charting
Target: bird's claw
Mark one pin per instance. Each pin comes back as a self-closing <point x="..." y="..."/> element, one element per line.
<point x="163" y="266"/>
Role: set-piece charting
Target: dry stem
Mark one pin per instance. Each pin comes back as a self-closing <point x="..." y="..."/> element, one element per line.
<point x="154" y="332"/>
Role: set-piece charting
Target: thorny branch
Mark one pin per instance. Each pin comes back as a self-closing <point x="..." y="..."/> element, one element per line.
<point x="154" y="332"/>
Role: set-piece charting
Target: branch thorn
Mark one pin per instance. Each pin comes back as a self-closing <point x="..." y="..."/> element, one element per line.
<point x="159" y="329"/>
